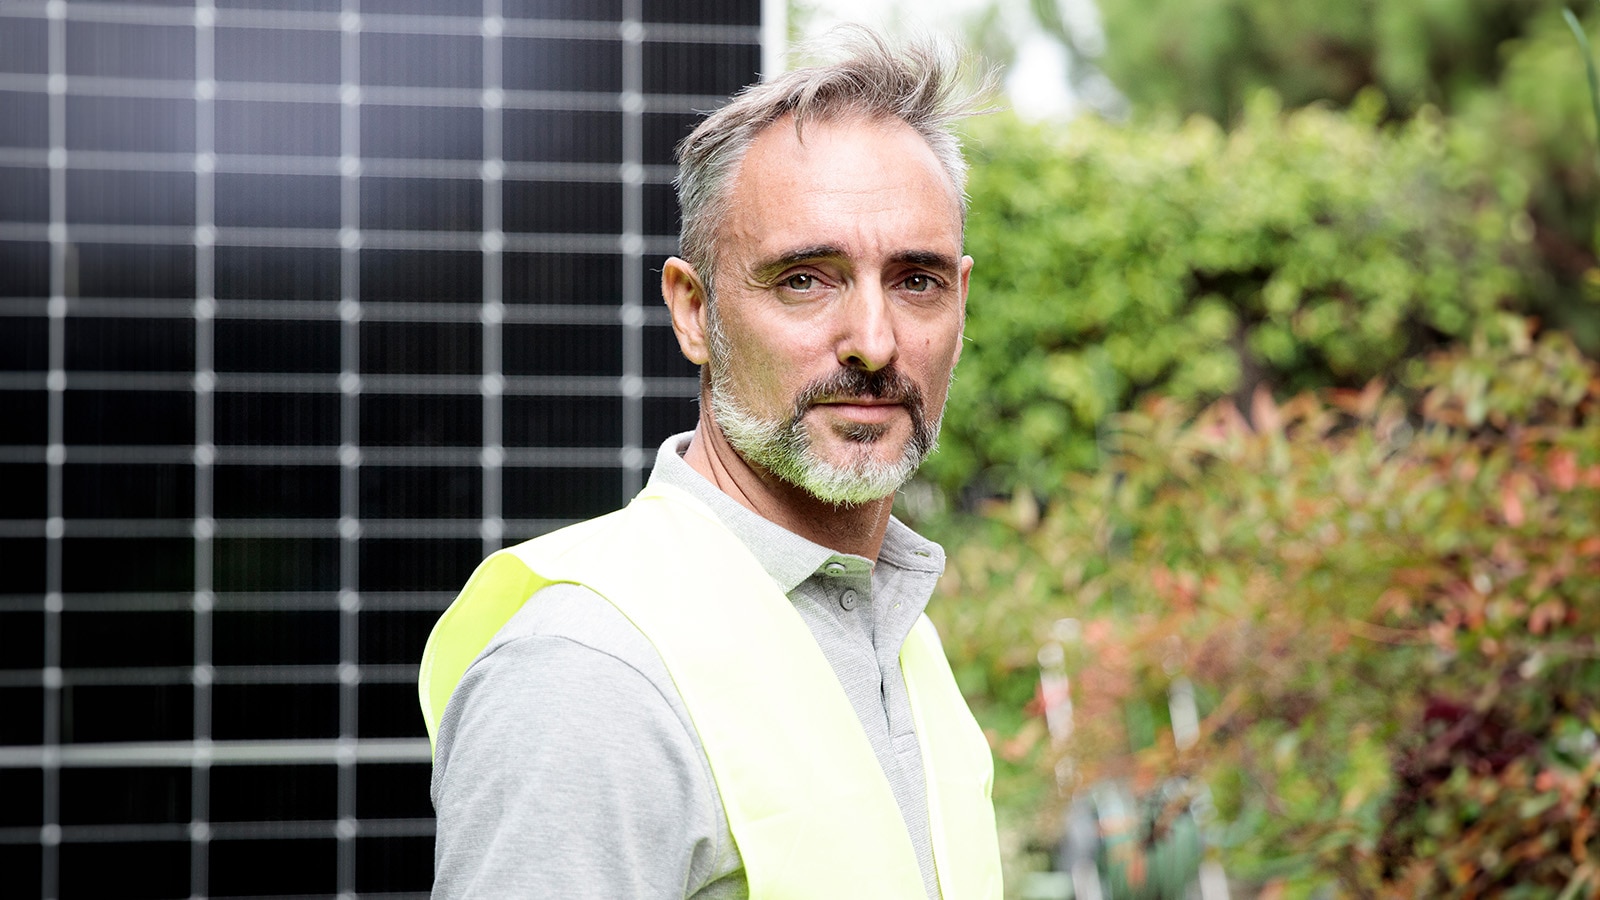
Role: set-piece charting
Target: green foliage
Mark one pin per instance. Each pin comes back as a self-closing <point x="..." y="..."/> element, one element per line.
<point x="1588" y="62"/>
<point x="1388" y="603"/>
<point x="1304" y="249"/>
<point x="1506" y="72"/>
<point x="1208" y="57"/>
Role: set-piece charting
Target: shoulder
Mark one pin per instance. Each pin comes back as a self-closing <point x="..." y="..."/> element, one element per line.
<point x="564" y="749"/>
<point x="566" y="651"/>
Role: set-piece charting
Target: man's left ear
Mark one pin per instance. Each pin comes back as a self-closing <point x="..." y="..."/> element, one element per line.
<point x="685" y="294"/>
<point x="966" y="274"/>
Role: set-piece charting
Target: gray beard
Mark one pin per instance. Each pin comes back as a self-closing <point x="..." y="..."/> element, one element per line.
<point x="784" y="447"/>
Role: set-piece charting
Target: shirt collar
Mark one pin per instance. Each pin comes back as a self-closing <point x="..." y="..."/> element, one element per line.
<point x="787" y="557"/>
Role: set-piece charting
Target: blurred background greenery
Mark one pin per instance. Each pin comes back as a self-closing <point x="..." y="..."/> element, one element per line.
<point x="1280" y="394"/>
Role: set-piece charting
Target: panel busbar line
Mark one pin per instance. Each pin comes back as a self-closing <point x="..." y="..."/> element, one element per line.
<point x="302" y="312"/>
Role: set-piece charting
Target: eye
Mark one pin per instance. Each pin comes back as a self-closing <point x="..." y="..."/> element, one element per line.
<point x="800" y="281"/>
<point x="920" y="283"/>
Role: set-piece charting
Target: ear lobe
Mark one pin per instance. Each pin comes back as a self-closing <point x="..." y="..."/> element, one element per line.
<point x="686" y="302"/>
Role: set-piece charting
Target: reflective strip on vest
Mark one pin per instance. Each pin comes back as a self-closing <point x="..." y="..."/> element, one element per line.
<point x="807" y="802"/>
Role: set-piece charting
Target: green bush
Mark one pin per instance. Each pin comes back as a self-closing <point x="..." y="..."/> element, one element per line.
<point x="1506" y="72"/>
<point x="1208" y="57"/>
<point x="1387" y="601"/>
<point x="1302" y="249"/>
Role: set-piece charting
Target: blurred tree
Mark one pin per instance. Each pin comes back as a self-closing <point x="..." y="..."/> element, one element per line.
<point x="1306" y="249"/>
<point x="1506" y="69"/>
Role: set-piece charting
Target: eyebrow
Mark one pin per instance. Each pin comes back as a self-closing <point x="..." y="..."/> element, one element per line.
<point x="926" y="259"/>
<point x="776" y="266"/>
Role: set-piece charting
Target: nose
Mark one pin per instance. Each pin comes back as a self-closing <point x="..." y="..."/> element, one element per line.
<point x="866" y="334"/>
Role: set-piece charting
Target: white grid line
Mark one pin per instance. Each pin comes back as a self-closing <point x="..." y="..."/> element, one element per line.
<point x="180" y="753"/>
<point x="50" y="828"/>
<point x="200" y="675"/>
<point x="515" y="457"/>
<point x="631" y="384"/>
<point x="492" y="313"/>
<point x="325" y="238"/>
<point x="378" y="95"/>
<point x="350" y="426"/>
<point x="327" y="310"/>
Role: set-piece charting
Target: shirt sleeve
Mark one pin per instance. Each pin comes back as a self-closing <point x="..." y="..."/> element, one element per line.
<point x="563" y="771"/>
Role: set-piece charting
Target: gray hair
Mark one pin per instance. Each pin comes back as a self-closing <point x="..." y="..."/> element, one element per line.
<point x="919" y="85"/>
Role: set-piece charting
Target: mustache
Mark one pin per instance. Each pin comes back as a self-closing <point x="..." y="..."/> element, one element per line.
<point x="888" y="384"/>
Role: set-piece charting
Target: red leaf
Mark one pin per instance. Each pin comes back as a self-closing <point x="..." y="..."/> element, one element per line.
<point x="1563" y="469"/>
<point x="1511" y="505"/>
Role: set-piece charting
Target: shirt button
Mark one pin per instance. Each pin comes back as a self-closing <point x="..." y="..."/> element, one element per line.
<point x="848" y="599"/>
<point x="835" y="568"/>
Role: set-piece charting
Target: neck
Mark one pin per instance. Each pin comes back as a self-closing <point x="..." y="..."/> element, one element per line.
<point x="855" y="529"/>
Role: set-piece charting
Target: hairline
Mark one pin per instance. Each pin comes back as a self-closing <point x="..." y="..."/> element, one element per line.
<point x="924" y="98"/>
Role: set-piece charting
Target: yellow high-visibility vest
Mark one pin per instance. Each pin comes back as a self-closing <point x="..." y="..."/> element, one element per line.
<point x="808" y="805"/>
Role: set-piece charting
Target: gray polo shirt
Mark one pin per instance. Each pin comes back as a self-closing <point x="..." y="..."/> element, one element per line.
<point x="566" y="763"/>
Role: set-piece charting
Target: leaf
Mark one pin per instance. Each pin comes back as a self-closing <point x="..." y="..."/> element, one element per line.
<point x="1511" y="505"/>
<point x="1588" y="66"/>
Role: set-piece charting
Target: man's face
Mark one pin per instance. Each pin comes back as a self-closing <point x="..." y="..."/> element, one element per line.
<point x="840" y="294"/>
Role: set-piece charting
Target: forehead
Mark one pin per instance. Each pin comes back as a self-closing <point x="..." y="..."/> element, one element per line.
<point x="854" y="179"/>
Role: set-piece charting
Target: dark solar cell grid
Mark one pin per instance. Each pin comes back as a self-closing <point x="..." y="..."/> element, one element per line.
<point x="560" y="493"/>
<point x="277" y="273"/>
<point x="129" y="345"/>
<point x="276" y="565"/>
<point x="277" y="55"/>
<point x="24" y="118"/>
<point x="564" y="422"/>
<point x="307" y="306"/>
<point x="277" y="201"/>
<point x="423" y="132"/>
<point x="24" y="194"/>
<point x="277" y="128"/>
<point x="276" y="419"/>
<point x="591" y="10"/>
<point x="558" y="64"/>
<point x="422" y="276"/>
<point x="688" y="68"/>
<point x="563" y="350"/>
<point x="441" y="348"/>
<point x="275" y="637"/>
<point x="25" y="345"/>
<point x="554" y="207"/>
<point x="562" y="278"/>
<point x="24" y="46"/>
<point x="130" y="123"/>
<point x="143" y="491"/>
<point x="563" y="135"/>
<point x="130" y="271"/>
<point x="421" y="420"/>
<point x="276" y="345"/>
<point x="275" y="492"/>
<point x="127" y="50"/>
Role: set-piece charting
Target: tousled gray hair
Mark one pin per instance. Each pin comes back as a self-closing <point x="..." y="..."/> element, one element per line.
<point x="919" y="84"/>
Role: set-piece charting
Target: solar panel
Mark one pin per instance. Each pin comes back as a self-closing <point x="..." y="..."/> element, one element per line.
<point x="305" y="307"/>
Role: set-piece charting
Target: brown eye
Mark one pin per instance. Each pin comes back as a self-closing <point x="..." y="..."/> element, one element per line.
<point x="800" y="281"/>
<point x="919" y="283"/>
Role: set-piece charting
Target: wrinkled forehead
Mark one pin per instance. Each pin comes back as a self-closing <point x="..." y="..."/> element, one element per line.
<point x="796" y="135"/>
<point x="876" y="172"/>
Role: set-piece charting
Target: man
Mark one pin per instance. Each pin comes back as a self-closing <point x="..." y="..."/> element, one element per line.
<point x="728" y="689"/>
